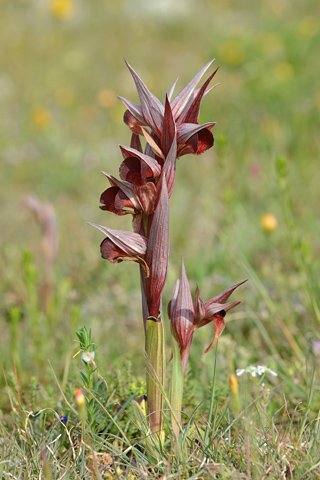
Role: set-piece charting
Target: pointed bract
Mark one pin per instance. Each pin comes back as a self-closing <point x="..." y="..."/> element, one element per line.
<point x="182" y="311"/>
<point x="133" y="116"/>
<point x="199" y="306"/>
<point x="153" y="148"/>
<point x="152" y="108"/>
<point x="192" y="114"/>
<point x="169" y="167"/>
<point x="184" y="98"/>
<point x="129" y="242"/>
<point x="223" y="297"/>
<point x="135" y="142"/>
<point x="157" y="256"/>
<point x="168" y="129"/>
<point x="153" y="143"/>
<point x="171" y="89"/>
<point x="171" y="305"/>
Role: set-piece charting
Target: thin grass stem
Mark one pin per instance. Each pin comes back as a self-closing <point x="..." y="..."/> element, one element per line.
<point x="206" y="434"/>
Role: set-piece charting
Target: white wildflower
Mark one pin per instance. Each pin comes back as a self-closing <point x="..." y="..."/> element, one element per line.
<point x="254" y="371"/>
<point x="87" y="357"/>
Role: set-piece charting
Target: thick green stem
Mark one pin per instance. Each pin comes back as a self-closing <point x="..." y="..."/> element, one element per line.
<point x="176" y="390"/>
<point x="155" y="372"/>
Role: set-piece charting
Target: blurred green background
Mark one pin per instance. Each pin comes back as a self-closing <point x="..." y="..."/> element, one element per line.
<point x="60" y="125"/>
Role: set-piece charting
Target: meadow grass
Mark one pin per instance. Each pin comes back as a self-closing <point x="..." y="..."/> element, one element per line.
<point x="60" y="125"/>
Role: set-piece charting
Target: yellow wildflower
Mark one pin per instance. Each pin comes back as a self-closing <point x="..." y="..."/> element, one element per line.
<point x="62" y="9"/>
<point x="233" y="383"/>
<point x="234" y="387"/>
<point x="269" y="222"/>
<point x="41" y="117"/>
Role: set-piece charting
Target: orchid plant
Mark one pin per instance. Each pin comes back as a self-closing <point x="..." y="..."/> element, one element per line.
<point x="171" y="130"/>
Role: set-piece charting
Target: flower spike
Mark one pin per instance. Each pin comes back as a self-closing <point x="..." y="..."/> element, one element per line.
<point x="147" y="176"/>
<point x="183" y="112"/>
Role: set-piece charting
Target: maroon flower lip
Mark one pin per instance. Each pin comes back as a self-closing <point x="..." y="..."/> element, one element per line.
<point x="119" y="198"/>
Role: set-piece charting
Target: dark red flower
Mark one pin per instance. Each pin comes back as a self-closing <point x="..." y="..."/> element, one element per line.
<point x="119" y="198"/>
<point x="121" y="245"/>
<point x="186" y="315"/>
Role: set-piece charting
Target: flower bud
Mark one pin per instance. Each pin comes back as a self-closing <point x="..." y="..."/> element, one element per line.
<point x="79" y="397"/>
<point x="269" y="222"/>
<point x="234" y="387"/>
<point x="87" y="357"/>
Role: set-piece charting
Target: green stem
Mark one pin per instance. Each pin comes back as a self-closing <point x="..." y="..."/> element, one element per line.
<point x="155" y="372"/>
<point x="176" y="390"/>
<point x="206" y="434"/>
